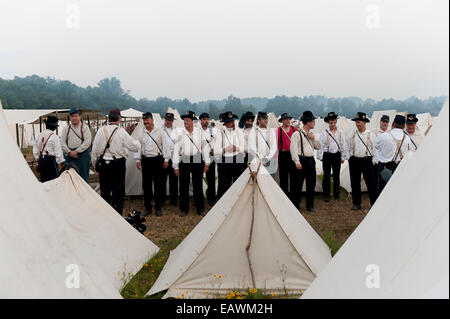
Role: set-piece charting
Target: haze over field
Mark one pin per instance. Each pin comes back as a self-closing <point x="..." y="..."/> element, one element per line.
<point x="209" y="49"/>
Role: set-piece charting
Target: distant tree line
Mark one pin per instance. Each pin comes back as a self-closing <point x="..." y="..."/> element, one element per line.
<point x="35" y="92"/>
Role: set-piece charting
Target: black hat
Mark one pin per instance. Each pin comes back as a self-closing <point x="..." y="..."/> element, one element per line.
<point x="284" y="116"/>
<point x="189" y="115"/>
<point x="262" y="115"/>
<point x="248" y="116"/>
<point x="411" y="119"/>
<point x="228" y="117"/>
<point x="147" y="115"/>
<point x="74" y="111"/>
<point x="384" y="118"/>
<point x="169" y="116"/>
<point x="307" y="116"/>
<point x="331" y="116"/>
<point x="51" y="121"/>
<point x="361" y="116"/>
<point x="400" y="119"/>
<point x="203" y="115"/>
<point x="114" y="112"/>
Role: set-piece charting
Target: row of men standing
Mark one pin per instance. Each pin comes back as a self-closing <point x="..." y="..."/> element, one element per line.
<point x="181" y="154"/>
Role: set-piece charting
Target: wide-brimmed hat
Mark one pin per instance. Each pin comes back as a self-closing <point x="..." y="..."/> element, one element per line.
<point x="331" y="116"/>
<point x="228" y="117"/>
<point x="284" y="116"/>
<point x="189" y="115"/>
<point x="169" y="116"/>
<point x="361" y="116"/>
<point x="400" y="119"/>
<point x="51" y="121"/>
<point x="411" y="119"/>
<point x="248" y="116"/>
<point x="307" y="116"/>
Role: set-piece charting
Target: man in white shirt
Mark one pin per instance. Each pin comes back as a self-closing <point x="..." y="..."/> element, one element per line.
<point x="384" y="126"/>
<point x="411" y="129"/>
<point x="303" y="146"/>
<point x="262" y="144"/>
<point x="332" y="154"/>
<point x="229" y="153"/>
<point x="247" y="120"/>
<point x="149" y="159"/>
<point x="170" y="134"/>
<point x="110" y="149"/>
<point x="47" y="151"/>
<point x="391" y="147"/>
<point x="75" y="141"/>
<point x="210" y="135"/>
<point x="360" y="150"/>
<point x="187" y="162"/>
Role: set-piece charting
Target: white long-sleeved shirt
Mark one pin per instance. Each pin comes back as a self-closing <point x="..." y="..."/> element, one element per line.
<point x="170" y="138"/>
<point x="387" y="144"/>
<point x="190" y="145"/>
<point x="225" y="139"/>
<point x="246" y="133"/>
<point x="309" y="146"/>
<point x="52" y="148"/>
<point x="329" y="145"/>
<point x="357" y="149"/>
<point x="210" y="135"/>
<point x="416" y="140"/>
<point x="262" y="142"/>
<point x="120" y="145"/>
<point x="78" y="138"/>
<point x="150" y="147"/>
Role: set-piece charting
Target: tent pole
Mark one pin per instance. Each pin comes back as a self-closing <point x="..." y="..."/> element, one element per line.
<point x="17" y="135"/>
<point x="40" y="124"/>
<point x="251" y="230"/>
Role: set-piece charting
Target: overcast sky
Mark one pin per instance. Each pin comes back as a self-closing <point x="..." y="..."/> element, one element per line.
<point x="205" y="49"/>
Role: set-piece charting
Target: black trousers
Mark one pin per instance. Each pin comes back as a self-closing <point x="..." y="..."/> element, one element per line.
<point x="48" y="169"/>
<point x="229" y="171"/>
<point x="173" y="184"/>
<point x="287" y="171"/>
<point x="211" y="181"/>
<point x="308" y="174"/>
<point x="112" y="183"/>
<point x="331" y="161"/>
<point x="194" y="169"/>
<point x="152" y="178"/>
<point x="365" y="167"/>
<point x="381" y="183"/>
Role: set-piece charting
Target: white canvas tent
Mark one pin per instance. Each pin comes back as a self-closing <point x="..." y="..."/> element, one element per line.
<point x="108" y="239"/>
<point x="131" y="113"/>
<point x="405" y="235"/>
<point x="255" y="214"/>
<point x="39" y="249"/>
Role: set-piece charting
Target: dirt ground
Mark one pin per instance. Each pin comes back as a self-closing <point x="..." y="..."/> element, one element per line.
<point x="333" y="220"/>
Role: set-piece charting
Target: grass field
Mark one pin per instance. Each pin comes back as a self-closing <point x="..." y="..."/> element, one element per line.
<point x="333" y="221"/>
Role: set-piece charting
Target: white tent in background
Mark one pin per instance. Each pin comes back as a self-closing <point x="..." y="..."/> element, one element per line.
<point x="405" y="236"/>
<point x="273" y="121"/>
<point x="345" y="179"/>
<point x="40" y="252"/>
<point x="131" y="113"/>
<point x="253" y="238"/>
<point x="108" y="239"/>
<point x="178" y="123"/>
<point x="425" y="121"/>
<point x="157" y="120"/>
<point x="133" y="177"/>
